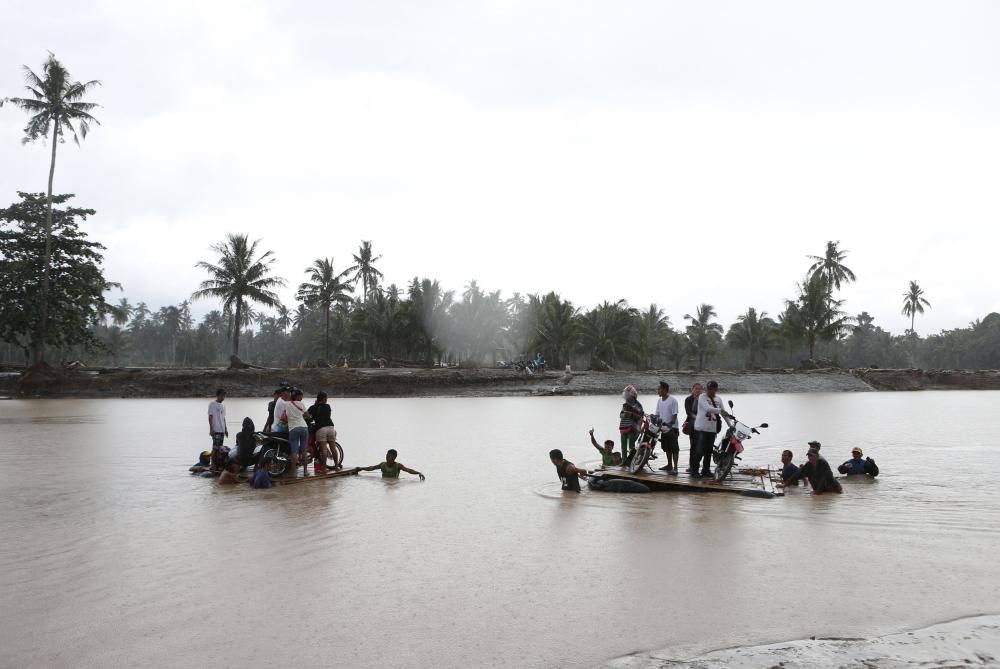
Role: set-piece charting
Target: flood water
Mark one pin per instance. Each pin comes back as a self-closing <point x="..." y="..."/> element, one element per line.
<point x="113" y="555"/>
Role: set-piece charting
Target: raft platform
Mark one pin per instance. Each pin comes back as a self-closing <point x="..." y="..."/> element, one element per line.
<point x="741" y="484"/>
<point x="287" y="479"/>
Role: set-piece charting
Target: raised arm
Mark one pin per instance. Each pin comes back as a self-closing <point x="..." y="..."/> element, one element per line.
<point x="594" y="441"/>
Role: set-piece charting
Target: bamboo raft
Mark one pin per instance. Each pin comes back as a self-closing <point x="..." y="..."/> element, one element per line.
<point x="752" y="482"/>
<point x="287" y="479"/>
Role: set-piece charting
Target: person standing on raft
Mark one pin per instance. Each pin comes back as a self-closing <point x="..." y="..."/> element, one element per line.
<point x="631" y="417"/>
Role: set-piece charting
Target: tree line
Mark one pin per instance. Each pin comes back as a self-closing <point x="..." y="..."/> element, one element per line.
<point x="55" y="299"/>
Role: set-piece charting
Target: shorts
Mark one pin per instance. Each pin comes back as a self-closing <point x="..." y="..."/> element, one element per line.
<point x="298" y="438"/>
<point x="217" y="439"/>
<point x="326" y="434"/>
<point x="668" y="440"/>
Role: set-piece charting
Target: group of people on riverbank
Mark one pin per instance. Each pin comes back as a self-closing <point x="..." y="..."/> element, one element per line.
<point x="309" y="432"/>
<point x="704" y="410"/>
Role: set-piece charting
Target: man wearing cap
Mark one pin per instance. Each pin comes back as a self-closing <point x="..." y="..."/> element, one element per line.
<point x="858" y="467"/>
<point x="817" y="471"/>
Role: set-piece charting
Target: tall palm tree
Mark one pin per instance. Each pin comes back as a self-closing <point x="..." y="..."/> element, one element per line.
<point x="914" y="303"/>
<point x="831" y="265"/>
<point x="652" y="332"/>
<point x="324" y="289"/>
<point x="239" y="278"/>
<point x="814" y="316"/>
<point x="555" y="327"/>
<point x="56" y="102"/>
<point x="703" y="334"/>
<point x="364" y="269"/>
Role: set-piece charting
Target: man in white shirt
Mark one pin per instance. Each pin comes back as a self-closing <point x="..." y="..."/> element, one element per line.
<point x="706" y="424"/>
<point x="217" y="426"/>
<point x="666" y="409"/>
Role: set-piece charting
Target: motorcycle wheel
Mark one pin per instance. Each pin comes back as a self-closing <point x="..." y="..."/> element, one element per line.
<point x="725" y="463"/>
<point x="336" y="456"/>
<point x="278" y="462"/>
<point x="639" y="460"/>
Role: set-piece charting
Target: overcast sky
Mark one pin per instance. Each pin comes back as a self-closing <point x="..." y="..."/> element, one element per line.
<point x="669" y="152"/>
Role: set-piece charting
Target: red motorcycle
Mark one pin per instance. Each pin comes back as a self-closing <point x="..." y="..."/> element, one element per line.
<point x="729" y="449"/>
<point x="645" y="443"/>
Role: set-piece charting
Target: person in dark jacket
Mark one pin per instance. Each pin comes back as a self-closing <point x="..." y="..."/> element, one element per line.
<point x="817" y="471"/>
<point x="690" y="412"/>
<point x="856" y="466"/>
<point x="325" y="435"/>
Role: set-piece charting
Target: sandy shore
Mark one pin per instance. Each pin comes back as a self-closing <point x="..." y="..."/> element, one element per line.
<point x="480" y="382"/>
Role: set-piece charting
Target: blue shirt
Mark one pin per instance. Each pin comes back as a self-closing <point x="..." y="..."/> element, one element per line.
<point x="788" y="471"/>
<point x="261" y="479"/>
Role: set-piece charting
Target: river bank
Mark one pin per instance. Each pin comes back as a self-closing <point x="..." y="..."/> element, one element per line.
<point x="478" y="382"/>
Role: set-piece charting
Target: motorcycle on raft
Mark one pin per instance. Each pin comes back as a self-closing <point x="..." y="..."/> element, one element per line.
<point x="728" y="451"/>
<point x="645" y="443"/>
<point x="724" y="455"/>
<point x="275" y="446"/>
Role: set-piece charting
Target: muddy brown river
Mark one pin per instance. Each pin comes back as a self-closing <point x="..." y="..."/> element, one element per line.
<point x="113" y="555"/>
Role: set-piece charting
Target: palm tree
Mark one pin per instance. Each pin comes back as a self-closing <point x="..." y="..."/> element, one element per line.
<point x="703" y="334"/>
<point x="914" y="302"/>
<point x="832" y="266"/>
<point x="364" y="269"/>
<point x="121" y="312"/>
<point x="239" y="278"/>
<point x="554" y="327"/>
<point x="754" y="333"/>
<point x="56" y="101"/>
<point x="606" y="333"/>
<point x="652" y="333"/>
<point x="284" y="319"/>
<point x="326" y="289"/>
<point x="814" y="316"/>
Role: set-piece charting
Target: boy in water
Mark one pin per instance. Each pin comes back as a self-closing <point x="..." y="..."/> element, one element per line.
<point x="262" y="475"/>
<point x="390" y="468"/>
<point x="608" y="456"/>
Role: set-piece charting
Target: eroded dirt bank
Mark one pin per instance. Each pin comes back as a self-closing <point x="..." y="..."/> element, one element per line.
<point x="482" y="382"/>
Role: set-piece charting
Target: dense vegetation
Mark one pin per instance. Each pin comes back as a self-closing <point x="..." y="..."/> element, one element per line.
<point x="53" y="295"/>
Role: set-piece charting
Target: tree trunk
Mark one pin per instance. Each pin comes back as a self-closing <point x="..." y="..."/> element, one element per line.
<point x="237" y="319"/>
<point x="913" y="318"/>
<point x="326" y="336"/>
<point x="38" y="345"/>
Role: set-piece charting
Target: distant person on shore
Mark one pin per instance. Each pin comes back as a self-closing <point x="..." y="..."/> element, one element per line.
<point x="270" y="410"/>
<point x="630" y="419"/>
<point x="298" y="431"/>
<point x="788" y="468"/>
<point x="262" y="475"/>
<point x="608" y="456"/>
<point x="858" y="467"/>
<point x="666" y="409"/>
<point x="691" y="413"/>
<point x="230" y="473"/>
<point x="390" y="468"/>
<point x="569" y="474"/>
<point x="217" y="429"/>
<point x="707" y="424"/>
<point x="817" y="471"/>
<point x="326" y="435"/>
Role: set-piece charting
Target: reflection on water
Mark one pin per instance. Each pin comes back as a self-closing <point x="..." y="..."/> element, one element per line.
<point x="112" y="549"/>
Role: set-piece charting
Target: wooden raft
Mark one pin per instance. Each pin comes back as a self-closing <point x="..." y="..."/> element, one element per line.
<point x="735" y="483"/>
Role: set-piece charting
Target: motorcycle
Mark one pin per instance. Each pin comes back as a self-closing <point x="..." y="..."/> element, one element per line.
<point x="275" y="447"/>
<point x="645" y="443"/>
<point x="728" y="451"/>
